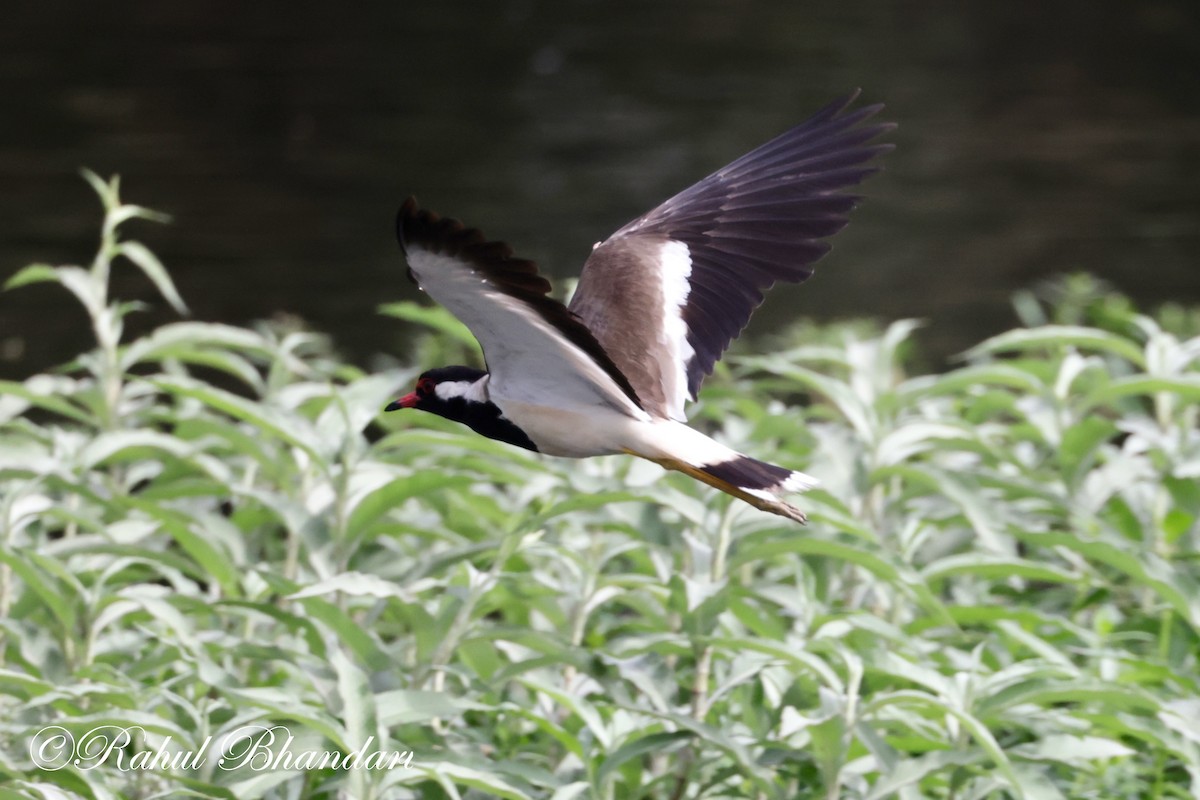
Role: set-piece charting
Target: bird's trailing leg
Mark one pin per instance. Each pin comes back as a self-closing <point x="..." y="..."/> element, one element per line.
<point x="759" y="499"/>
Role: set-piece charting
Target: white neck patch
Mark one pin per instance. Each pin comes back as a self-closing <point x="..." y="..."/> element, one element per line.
<point x="471" y="392"/>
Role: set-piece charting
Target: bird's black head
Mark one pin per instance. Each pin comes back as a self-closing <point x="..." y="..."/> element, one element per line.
<point x="444" y="389"/>
<point x="460" y="394"/>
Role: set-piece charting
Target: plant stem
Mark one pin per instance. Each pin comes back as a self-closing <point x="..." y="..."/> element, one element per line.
<point x="700" y="684"/>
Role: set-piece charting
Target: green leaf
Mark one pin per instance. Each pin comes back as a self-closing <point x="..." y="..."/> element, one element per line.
<point x="1055" y="337"/>
<point x="414" y="706"/>
<point x="145" y="260"/>
<point x="107" y="190"/>
<point x="200" y="546"/>
<point x="20" y="684"/>
<point x="579" y="706"/>
<point x="49" y="402"/>
<point x="125" y="212"/>
<point x="349" y="632"/>
<point x="898" y="575"/>
<point x="179" y="338"/>
<point x="274" y="421"/>
<point x="847" y="401"/>
<point x="78" y="282"/>
<point x="369" y="507"/>
<point x="356" y="405"/>
<point x="357" y="702"/>
<point x="966" y="379"/>
<point x="492" y="784"/>
<point x="1175" y="587"/>
<point x="354" y="584"/>
<point x="979" y="732"/>
<point x="653" y="743"/>
<point x="707" y="734"/>
<point x="1073" y="749"/>
<point x="112" y="445"/>
<point x="284" y="704"/>
<point x="994" y="566"/>
<point x="221" y="347"/>
<point x="434" y="318"/>
<point x="584" y="502"/>
<point x="45" y="577"/>
<point x="1080" y="442"/>
<point x="34" y="273"/>
<point x="1186" y="386"/>
<point x="1047" y="692"/>
<point x="911" y="771"/>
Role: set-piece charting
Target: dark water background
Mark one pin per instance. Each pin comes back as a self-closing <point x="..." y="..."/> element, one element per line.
<point x="1035" y="138"/>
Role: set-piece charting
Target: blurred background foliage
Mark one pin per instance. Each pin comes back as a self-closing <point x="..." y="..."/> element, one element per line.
<point x="998" y="595"/>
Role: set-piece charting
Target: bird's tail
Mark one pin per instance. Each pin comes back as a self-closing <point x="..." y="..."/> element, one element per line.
<point x="758" y="483"/>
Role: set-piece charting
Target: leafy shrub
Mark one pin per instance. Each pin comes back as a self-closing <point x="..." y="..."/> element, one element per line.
<point x="212" y="527"/>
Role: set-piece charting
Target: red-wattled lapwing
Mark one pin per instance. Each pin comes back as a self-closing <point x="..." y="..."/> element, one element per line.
<point x="657" y="304"/>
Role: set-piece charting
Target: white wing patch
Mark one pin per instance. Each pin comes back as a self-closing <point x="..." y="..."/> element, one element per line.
<point x="530" y="361"/>
<point x="675" y="268"/>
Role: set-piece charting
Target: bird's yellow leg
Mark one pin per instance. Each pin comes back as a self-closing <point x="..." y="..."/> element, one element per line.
<point x="771" y="505"/>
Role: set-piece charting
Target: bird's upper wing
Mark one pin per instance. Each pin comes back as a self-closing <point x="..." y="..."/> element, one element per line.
<point x="534" y="347"/>
<point x="666" y="294"/>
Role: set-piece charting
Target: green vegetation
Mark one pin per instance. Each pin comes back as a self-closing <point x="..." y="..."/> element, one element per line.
<point x="998" y="594"/>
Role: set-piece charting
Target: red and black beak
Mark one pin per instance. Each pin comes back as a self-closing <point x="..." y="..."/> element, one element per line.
<point x="409" y="400"/>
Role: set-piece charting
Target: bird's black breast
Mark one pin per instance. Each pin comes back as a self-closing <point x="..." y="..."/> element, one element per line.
<point x="487" y="420"/>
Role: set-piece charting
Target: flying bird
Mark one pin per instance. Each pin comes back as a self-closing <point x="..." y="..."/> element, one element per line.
<point x="656" y="305"/>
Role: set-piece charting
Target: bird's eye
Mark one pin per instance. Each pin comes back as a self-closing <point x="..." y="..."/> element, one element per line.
<point x="425" y="386"/>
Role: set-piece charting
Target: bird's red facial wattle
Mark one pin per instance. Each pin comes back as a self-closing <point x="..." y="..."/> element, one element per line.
<point x="413" y="399"/>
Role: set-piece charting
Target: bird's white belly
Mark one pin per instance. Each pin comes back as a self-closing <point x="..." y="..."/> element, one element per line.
<point x="597" y="430"/>
<point x="573" y="432"/>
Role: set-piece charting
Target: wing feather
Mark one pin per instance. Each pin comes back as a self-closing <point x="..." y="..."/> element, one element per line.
<point x="533" y="345"/>
<point x="759" y="220"/>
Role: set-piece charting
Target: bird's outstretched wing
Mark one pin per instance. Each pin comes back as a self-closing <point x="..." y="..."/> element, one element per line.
<point x="530" y="341"/>
<point x="666" y="294"/>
